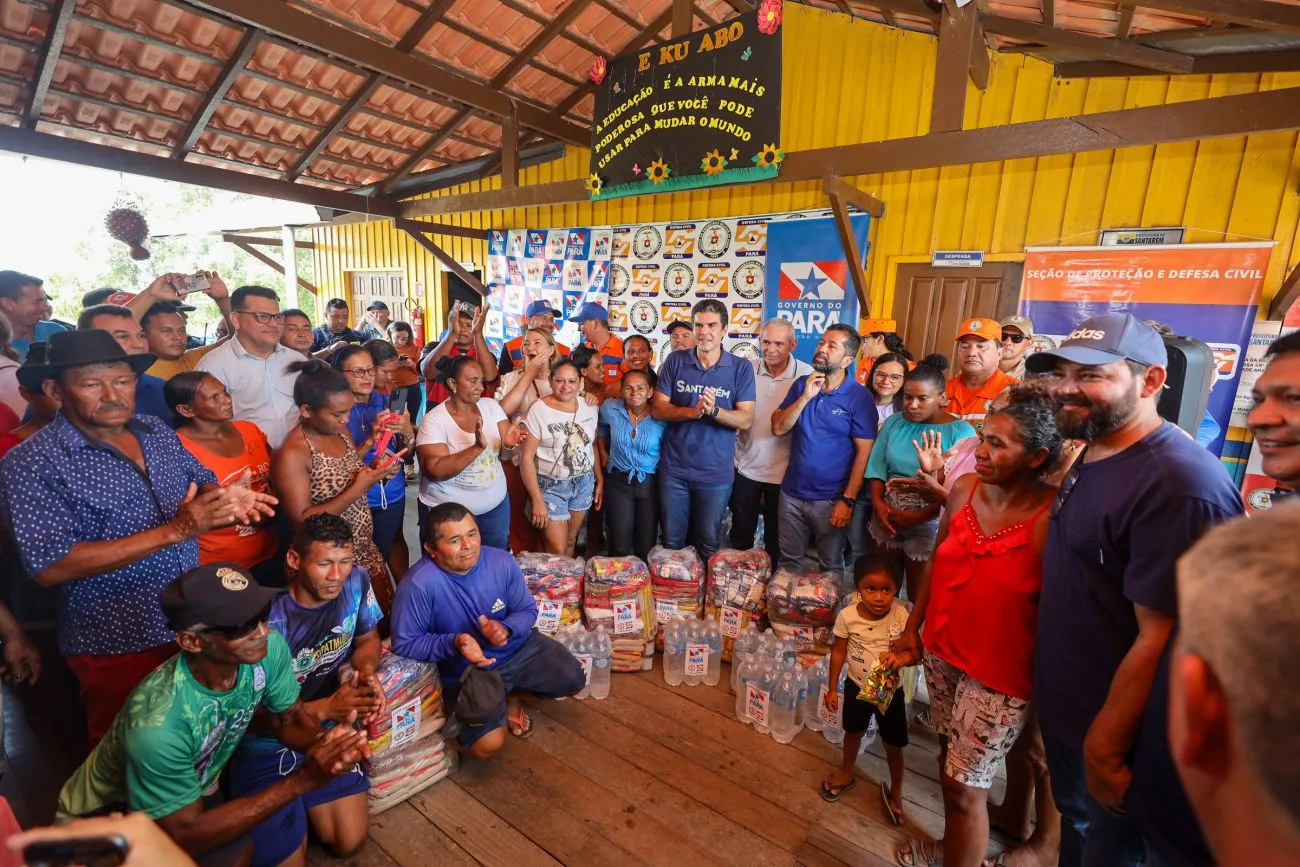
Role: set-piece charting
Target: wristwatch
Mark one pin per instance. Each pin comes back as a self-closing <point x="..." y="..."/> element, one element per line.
<point x="713" y="413"/>
<point x="848" y="501"/>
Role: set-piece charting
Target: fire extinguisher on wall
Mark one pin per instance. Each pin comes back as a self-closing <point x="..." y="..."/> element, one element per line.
<point x="417" y="321"/>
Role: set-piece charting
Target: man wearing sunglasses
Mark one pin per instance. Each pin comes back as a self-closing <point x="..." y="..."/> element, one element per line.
<point x="1140" y="494"/>
<point x="1017" y="335"/>
<point x="254" y="365"/>
<point x="179" y="729"/>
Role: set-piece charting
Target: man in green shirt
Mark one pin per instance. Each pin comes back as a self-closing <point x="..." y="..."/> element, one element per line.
<point x="168" y="746"/>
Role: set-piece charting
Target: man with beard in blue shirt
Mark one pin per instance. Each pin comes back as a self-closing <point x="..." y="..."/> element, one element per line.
<point x="1139" y="495"/>
<point x="464" y="604"/>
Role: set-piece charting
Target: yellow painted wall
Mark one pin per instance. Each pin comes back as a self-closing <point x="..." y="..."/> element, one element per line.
<point x="849" y="81"/>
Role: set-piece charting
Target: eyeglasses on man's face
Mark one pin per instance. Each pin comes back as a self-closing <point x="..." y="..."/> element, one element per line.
<point x="263" y="318"/>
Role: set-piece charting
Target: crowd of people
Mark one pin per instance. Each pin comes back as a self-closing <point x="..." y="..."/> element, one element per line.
<point x="222" y="525"/>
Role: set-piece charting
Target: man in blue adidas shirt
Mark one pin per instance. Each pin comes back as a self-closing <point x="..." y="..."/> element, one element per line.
<point x="463" y="605"/>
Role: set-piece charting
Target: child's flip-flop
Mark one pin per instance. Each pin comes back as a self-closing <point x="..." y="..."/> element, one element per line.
<point x="895" y="814"/>
<point x="915" y="854"/>
<point x="834" y="793"/>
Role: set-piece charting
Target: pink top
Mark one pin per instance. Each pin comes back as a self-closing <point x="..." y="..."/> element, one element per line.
<point x="983" y="611"/>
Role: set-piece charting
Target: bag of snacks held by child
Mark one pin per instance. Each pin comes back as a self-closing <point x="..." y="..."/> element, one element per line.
<point x="556" y="585"/>
<point x="802" y="606"/>
<point x="677" y="585"/>
<point x="616" y="594"/>
<point x="879" y="686"/>
<point x="737" y="591"/>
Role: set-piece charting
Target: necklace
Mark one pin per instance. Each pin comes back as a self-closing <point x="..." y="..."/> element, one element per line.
<point x="637" y="419"/>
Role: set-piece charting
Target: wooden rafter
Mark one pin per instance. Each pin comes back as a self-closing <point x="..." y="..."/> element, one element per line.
<point x="1287" y="294"/>
<point x="1124" y="26"/>
<point x="510" y="152"/>
<point x="264" y="242"/>
<point x="1120" y="50"/>
<point x="320" y="35"/>
<point x="1265" y="14"/>
<point x="1247" y="62"/>
<point x="535" y="45"/>
<point x="426" y="22"/>
<point x="115" y="159"/>
<point x="416" y="230"/>
<point x="273" y="264"/>
<point x="910" y="8"/>
<point x="960" y="41"/>
<point x="51" y="47"/>
<point x="234" y="64"/>
<point x="844" y="6"/>
<point x="1236" y="115"/>
<point x="853" y="256"/>
<point x="683" y="18"/>
<point x="653" y="29"/>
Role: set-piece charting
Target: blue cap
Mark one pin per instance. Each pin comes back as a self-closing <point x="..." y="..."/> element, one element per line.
<point x="1103" y="339"/>
<point x="541" y="308"/>
<point x="590" y="310"/>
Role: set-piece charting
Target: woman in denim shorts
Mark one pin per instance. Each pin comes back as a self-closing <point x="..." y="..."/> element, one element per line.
<point x="558" y="461"/>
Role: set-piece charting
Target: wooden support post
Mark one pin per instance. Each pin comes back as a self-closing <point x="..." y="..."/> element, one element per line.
<point x="683" y="18"/>
<point x="844" y="226"/>
<point x="1287" y="294"/>
<point x="956" y="49"/>
<point x="274" y="265"/>
<point x="55" y="34"/>
<point x="510" y="150"/>
<point x="834" y="185"/>
<point x="290" y="261"/>
<point x="266" y="242"/>
<point x="414" y="229"/>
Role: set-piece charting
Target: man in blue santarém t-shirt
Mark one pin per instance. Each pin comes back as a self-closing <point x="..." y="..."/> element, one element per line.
<point x="705" y="394"/>
<point x="1140" y="494"/>
<point x="833" y="419"/>
<point x="328" y="616"/>
<point x="464" y="604"/>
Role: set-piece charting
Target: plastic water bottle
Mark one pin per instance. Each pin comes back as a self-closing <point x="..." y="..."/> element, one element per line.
<point x="713" y="637"/>
<point x="602" y="651"/>
<point x="801" y="690"/>
<point x="762" y="685"/>
<point x="674" y="651"/>
<point x="696" y="652"/>
<point x="744" y="647"/>
<point x="747" y="673"/>
<point x="582" y="652"/>
<point x="812" y="718"/>
<point x="784" y="704"/>
<point x="833" y="728"/>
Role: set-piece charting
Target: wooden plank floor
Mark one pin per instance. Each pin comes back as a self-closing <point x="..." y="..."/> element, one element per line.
<point x="656" y="775"/>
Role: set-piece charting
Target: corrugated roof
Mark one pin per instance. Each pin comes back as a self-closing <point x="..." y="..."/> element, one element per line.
<point x="133" y="73"/>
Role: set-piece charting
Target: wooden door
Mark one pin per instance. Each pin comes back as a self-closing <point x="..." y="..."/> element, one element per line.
<point x="386" y="286"/>
<point x="930" y="302"/>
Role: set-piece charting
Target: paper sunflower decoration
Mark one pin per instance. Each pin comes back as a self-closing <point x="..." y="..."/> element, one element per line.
<point x="594" y="185"/>
<point x="658" y="171"/>
<point x="769" y="17"/>
<point x="769" y="156"/>
<point x="598" y="69"/>
<point x="713" y="163"/>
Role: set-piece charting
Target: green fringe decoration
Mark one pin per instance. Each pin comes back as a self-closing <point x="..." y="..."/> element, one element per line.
<point x="688" y="182"/>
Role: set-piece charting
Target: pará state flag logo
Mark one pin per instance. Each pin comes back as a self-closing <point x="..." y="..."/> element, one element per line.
<point x="813" y="281"/>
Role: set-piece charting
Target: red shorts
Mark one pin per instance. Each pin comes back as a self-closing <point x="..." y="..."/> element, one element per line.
<point x="107" y="681"/>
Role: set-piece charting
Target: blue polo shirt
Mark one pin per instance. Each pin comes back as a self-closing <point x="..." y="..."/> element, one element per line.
<point x="702" y="449"/>
<point x="821" y="444"/>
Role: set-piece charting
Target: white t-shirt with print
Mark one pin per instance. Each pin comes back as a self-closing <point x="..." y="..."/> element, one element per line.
<point x="565" y="440"/>
<point x="868" y="638"/>
<point x="481" y="486"/>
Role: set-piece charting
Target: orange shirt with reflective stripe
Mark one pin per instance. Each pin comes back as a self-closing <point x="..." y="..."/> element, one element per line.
<point x="973" y="405"/>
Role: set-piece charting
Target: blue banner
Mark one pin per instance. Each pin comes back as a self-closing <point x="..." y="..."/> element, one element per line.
<point x="808" y="277"/>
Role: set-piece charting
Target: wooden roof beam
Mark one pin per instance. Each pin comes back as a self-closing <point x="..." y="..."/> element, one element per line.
<point x="1236" y="115"/>
<point x="1203" y="64"/>
<point x="1119" y="50"/>
<point x="683" y="18"/>
<point x="1263" y="14"/>
<point x="416" y="230"/>
<point x="234" y="64"/>
<point x="961" y="48"/>
<point x="321" y="35"/>
<point x="271" y="263"/>
<point x="132" y="162"/>
<point x="1124" y="26"/>
<point x="264" y="242"/>
<point x="1287" y="294"/>
<point x="1049" y="13"/>
<point x="52" y="46"/>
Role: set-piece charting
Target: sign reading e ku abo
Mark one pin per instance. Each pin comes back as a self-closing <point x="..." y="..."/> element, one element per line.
<point x="694" y="112"/>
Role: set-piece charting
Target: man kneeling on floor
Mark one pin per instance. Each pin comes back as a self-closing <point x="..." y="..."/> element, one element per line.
<point x="168" y="746"/>
<point x="466" y="605"/>
<point x="329" y="616"/>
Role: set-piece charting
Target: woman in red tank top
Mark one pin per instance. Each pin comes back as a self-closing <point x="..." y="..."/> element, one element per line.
<point x="978" y="602"/>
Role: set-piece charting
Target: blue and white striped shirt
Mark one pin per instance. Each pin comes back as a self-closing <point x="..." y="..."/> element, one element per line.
<point x="637" y="456"/>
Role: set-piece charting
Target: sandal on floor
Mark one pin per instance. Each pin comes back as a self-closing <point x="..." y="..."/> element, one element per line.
<point x="895" y="815"/>
<point x="916" y="855"/>
<point x="923" y="718"/>
<point x="834" y="793"/>
<point x="520" y="726"/>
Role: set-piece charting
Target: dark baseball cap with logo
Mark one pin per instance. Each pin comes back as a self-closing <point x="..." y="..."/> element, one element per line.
<point x="221" y="595"/>
<point x="480" y="699"/>
<point x="1103" y="339"/>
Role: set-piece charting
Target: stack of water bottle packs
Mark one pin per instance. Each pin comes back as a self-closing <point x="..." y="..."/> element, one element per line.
<point x="616" y="595"/>
<point x="556" y="585"/>
<point x="692" y="651"/>
<point x="594" y="651"/>
<point x="802" y="606"/>
<point x="737" y="591"/>
<point x="677" y="585"/>
<point x="407" y="751"/>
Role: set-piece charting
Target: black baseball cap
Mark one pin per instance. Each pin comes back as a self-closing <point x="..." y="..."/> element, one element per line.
<point x="1103" y="339"/>
<point x="480" y="699"/>
<point x="218" y="594"/>
<point x="377" y="305"/>
<point x="678" y="324"/>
